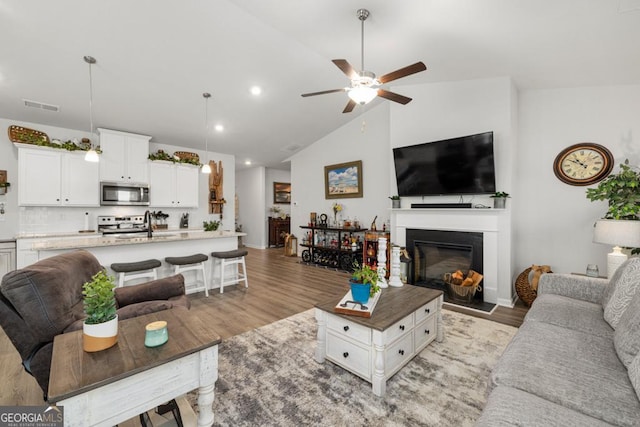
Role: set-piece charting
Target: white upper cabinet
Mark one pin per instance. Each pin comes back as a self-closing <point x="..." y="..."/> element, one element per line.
<point x="54" y="177"/>
<point x="124" y="157"/>
<point x="172" y="185"/>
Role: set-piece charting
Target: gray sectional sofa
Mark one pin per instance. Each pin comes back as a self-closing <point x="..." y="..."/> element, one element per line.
<point x="575" y="360"/>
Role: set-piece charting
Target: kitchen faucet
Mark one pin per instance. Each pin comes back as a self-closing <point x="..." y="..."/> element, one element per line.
<point x="147" y="221"/>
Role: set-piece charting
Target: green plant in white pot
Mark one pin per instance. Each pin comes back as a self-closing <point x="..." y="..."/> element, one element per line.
<point x="364" y="283"/>
<point x="100" y="328"/>
<point x="500" y="199"/>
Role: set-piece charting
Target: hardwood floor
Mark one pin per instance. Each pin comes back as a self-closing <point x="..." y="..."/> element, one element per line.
<point x="279" y="287"/>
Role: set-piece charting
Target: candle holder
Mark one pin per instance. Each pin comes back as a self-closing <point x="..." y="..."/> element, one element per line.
<point x="156" y="334"/>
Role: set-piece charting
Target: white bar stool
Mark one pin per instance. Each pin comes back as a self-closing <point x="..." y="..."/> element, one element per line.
<point x="191" y="263"/>
<point x="235" y="257"/>
<point x="143" y="269"/>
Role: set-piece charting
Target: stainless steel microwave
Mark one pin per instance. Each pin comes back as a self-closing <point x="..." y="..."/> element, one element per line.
<point x="122" y="194"/>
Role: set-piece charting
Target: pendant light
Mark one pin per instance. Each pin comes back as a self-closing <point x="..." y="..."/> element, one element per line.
<point x="92" y="154"/>
<point x="205" y="167"/>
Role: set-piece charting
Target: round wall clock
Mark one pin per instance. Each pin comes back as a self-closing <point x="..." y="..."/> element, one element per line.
<point x="583" y="164"/>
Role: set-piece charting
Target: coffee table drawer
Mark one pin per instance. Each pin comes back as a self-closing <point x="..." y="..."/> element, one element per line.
<point x="347" y="328"/>
<point x="425" y="332"/>
<point x="399" y="328"/>
<point x="426" y="311"/>
<point x="397" y="354"/>
<point x="350" y="355"/>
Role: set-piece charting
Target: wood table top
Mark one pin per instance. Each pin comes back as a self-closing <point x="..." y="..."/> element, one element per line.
<point x="74" y="371"/>
<point x="393" y="305"/>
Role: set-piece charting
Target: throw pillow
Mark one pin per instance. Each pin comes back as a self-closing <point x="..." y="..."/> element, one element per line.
<point x="622" y="289"/>
<point x="626" y="337"/>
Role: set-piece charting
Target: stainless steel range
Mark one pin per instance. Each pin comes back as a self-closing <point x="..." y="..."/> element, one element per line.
<point x="121" y="225"/>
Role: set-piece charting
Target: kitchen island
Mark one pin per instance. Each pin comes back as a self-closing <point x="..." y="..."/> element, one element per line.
<point x="139" y="247"/>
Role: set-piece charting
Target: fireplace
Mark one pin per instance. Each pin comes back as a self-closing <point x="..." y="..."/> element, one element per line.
<point x="436" y="252"/>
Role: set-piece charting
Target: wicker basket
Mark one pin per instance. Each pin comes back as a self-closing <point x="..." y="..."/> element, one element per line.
<point x="523" y="288"/>
<point x="26" y="135"/>
<point x="186" y="155"/>
<point x="463" y="293"/>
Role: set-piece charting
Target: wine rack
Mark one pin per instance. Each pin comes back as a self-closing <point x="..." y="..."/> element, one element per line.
<point x="338" y="248"/>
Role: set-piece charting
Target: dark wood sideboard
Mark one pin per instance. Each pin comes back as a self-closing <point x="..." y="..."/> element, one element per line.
<point x="277" y="229"/>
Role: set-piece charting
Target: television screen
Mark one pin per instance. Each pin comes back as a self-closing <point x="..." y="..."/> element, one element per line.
<point x="457" y="166"/>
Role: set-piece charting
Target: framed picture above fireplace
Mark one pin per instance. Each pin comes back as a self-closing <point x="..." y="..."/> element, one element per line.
<point x="343" y="180"/>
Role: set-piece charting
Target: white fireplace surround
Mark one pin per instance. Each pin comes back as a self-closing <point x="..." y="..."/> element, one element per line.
<point x="495" y="226"/>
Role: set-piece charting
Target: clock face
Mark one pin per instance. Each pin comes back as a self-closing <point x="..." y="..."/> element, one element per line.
<point x="583" y="164"/>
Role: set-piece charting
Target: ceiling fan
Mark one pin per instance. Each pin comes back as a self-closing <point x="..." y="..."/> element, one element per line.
<point x="364" y="84"/>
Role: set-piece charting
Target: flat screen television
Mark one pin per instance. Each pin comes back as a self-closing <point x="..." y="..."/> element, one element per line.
<point x="456" y="166"/>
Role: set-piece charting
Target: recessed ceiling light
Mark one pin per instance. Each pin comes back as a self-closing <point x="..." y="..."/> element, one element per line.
<point x="256" y="90"/>
<point x="247" y="162"/>
<point x="219" y="128"/>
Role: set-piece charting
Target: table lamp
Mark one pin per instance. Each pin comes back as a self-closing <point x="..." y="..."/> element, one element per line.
<point x="619" y="233"/>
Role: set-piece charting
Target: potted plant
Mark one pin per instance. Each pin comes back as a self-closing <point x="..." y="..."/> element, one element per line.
<point x="500" y="199"/>
<point x="100" y="328"/>
<point x="622" y="192"/>
<point x="3" y="187"/>
<point x="395" y="201"/>
<point x="210" y="225"/>
<point x="363" y="282"/>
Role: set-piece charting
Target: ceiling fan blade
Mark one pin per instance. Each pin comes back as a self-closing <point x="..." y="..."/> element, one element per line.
<point x="323" y="92"/>
<point x="346" y="68"/>
<point x="402" y="72"/>
<point x="350" y="106"/>
<point x="391" y="96"/>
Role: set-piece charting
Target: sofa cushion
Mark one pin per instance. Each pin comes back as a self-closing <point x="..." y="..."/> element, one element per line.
<point x="621" y="289"/>
<point x="570" y="313"/>
<point x="160" y="289"/>
<point x="507" y="407"/>
<point x="47" y="292"/>
<point x="570" y="368"/>
<point x="634" y="374"/>
<point x="627" y="335"/>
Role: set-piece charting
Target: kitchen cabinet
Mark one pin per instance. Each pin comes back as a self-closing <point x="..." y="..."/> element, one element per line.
<point x="124" y="157"/>
<point x="54" y="177"/>
<point x="7" y="257"/>
<point x="173" y="185"/>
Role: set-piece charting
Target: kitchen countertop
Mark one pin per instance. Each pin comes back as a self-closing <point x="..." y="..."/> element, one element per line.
<point x="93" y="233"/>
<point x="135" y="239"/>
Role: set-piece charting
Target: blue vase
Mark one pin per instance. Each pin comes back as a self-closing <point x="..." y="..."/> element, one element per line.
<point x="360" y="292"/>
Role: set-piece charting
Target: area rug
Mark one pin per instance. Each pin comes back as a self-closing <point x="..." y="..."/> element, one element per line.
<point x="269" y="377"/>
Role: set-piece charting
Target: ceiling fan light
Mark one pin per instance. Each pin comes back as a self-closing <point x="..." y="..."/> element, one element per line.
<point x="362" y="95"/>
<point x="92" y="156"/>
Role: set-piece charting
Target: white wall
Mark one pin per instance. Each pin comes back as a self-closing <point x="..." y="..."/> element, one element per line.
<point x="365" y="138"/>
<point x="553" y="221"/>
<point x="65" y="219"/>
<point x="271" y="176"/>
<point x="250" y="188"/>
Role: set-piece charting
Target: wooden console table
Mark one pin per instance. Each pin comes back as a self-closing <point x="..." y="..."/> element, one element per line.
<point x="114" y="385"/>
<point x="277" y="229"/>
<point x="404" y="322"/>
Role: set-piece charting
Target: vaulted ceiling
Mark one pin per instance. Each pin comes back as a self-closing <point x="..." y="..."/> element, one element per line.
<point x="155" y="58"/>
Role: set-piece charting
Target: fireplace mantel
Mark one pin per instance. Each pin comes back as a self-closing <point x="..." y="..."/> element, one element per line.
<point x="495" y="226"/>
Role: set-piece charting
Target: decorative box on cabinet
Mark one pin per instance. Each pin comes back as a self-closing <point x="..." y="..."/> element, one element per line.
<point x="332" y="247"/>
<point x="370" y="249"/>
<point x="277" y="229"/>
<point x="124" y="157"/>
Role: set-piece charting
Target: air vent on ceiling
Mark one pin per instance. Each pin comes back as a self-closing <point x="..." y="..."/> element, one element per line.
<point x="291" y="148"/>
<point x="41" y="105"/>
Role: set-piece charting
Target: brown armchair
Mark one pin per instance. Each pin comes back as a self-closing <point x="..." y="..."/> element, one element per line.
<point x="44" y="299"/>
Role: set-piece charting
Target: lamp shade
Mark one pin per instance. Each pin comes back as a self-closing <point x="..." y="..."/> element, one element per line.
<point x="617" y="232"/>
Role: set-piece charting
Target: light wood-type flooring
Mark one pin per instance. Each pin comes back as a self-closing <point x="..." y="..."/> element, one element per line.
<point x="279" y="287"/>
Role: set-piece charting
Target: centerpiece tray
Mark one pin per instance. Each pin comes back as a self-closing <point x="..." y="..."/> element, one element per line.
<point x="348" y="306"/>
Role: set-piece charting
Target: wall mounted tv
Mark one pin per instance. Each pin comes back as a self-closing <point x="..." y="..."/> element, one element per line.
<point x="455" y="166"/>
